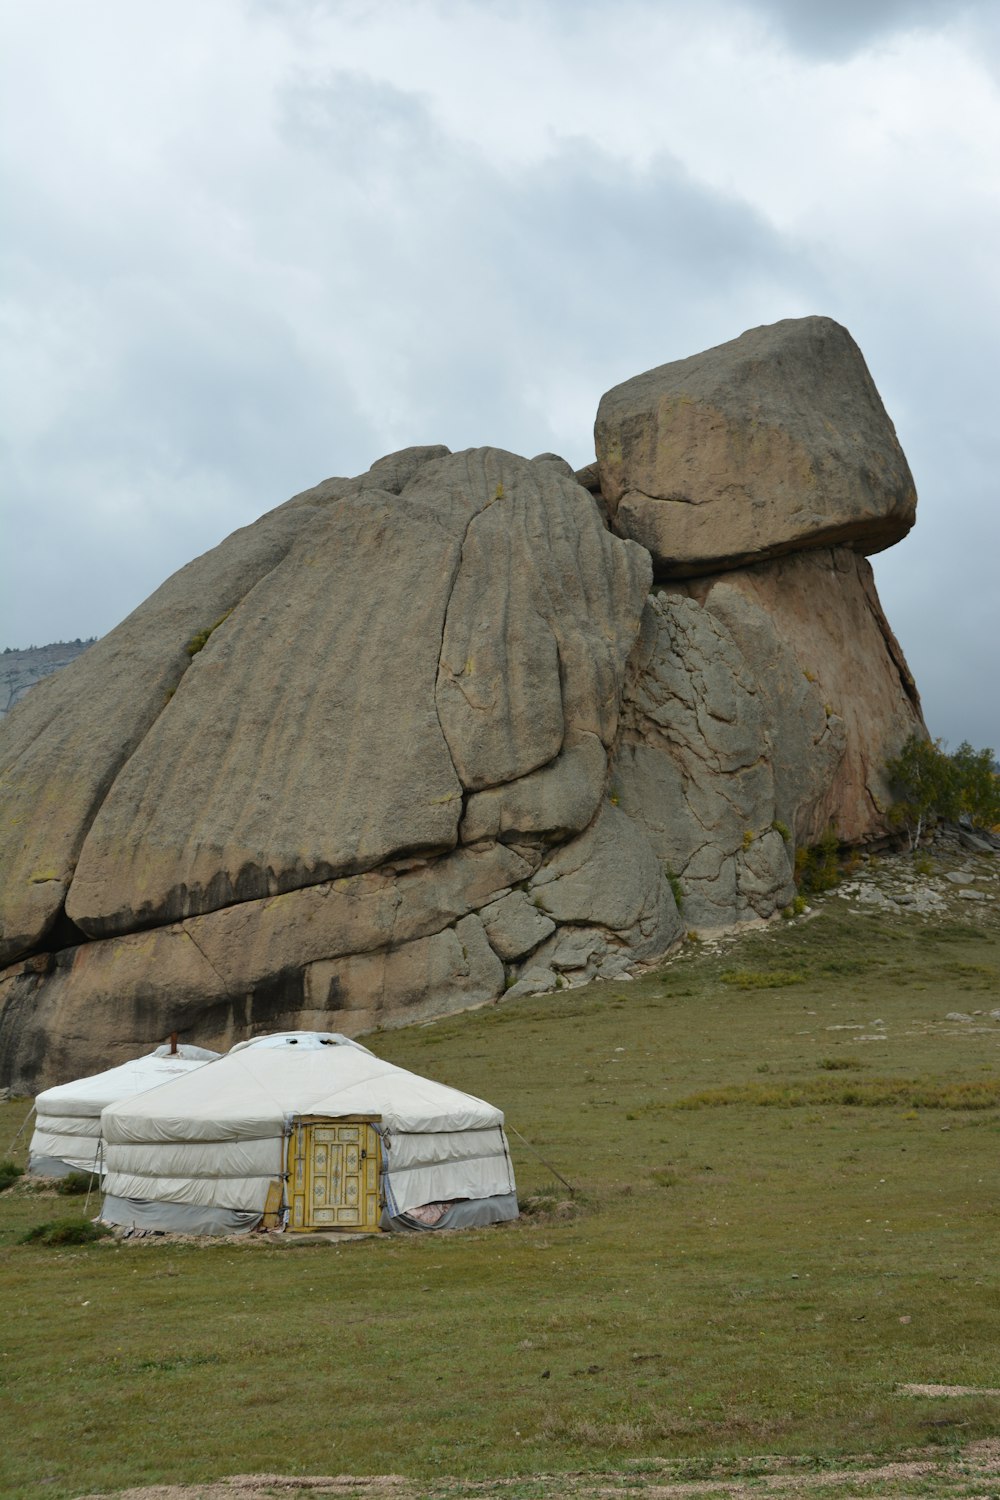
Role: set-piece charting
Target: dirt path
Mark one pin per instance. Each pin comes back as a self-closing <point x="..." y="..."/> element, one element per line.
<point x="974" y="1474"/>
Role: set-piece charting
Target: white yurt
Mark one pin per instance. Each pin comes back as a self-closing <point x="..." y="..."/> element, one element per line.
<point x="309" y="1131"/>
<point x="67" y="1136"/>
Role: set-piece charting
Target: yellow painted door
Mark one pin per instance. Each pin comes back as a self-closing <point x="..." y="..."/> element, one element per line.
<point x="333" y="1175"/>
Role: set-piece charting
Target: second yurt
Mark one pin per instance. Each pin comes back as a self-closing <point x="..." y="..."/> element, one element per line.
<point x="67" y="1136"/>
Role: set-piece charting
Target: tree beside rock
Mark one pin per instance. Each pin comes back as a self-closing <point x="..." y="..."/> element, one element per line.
<point x="467" y="724"/>
<point x="929" y="785"/>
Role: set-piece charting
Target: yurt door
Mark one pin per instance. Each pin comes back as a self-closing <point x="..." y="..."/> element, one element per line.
<point x="333" y="1175"/>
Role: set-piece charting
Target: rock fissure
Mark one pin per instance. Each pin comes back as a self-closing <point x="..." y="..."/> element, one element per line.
<point x="442" y="669"/>
<point x="215" y="970"/>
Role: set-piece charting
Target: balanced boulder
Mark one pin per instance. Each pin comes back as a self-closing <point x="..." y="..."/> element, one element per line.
<point x="774" y="442"/>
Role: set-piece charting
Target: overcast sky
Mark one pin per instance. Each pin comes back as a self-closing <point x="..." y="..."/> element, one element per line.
<point x="252" y="243"/>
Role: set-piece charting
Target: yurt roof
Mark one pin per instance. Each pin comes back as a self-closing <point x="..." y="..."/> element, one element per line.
<point x="309" y="1041"/>
<point x="260" y="1087"/>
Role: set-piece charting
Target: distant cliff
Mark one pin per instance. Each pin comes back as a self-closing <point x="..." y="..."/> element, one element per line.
<point x="21" y="669"/>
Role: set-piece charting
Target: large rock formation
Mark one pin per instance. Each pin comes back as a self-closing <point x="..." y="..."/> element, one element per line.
<point x="431" y="733"/>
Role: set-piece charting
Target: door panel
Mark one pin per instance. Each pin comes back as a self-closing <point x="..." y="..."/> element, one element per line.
<point x="333" y="1175"/>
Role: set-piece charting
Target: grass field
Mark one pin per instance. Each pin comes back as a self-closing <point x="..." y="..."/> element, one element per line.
<point x="785" y="1163"/>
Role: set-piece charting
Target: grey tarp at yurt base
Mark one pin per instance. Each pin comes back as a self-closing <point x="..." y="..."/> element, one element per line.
<point x="67" y="1135"/>
<point x="201" y="1155"/>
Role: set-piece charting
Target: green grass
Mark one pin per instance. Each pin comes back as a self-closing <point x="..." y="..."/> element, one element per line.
<point x="69" y="1231"/>
<point x="10" y="1171"/>
<point x="724" y="1283"/>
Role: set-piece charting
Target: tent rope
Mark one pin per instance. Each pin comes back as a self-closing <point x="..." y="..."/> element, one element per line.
<point x="95" y="1168"/>
<point x="24" y="1122"/>
<point x="568" y="1185"/>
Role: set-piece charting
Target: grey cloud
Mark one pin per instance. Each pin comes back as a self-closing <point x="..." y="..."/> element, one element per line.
<point x="489" y="280"/>
<point x="836" y="30"/>
<point x="360" y="123"/>
<point x="442" y="300"/>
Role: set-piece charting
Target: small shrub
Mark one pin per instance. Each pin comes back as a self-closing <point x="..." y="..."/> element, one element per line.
<point x="674" y="883"/>
<point x="817" y="869"/>
<point x="748" y="837"/>
<point x="197" y="642"/>
<point x="839" y="1064"/>
<point x="9" y="1173"/>
<point x="74" y="1183"/>
<point x="783" y="829"/>
<point x="65" y="1232"/>
<point x="761" y="979"/>
<point x="200" y="640"/>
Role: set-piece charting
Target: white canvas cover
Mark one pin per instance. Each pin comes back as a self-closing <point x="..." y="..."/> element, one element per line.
<point x="68" y="1117"/>
<point x="213" y="1142"/>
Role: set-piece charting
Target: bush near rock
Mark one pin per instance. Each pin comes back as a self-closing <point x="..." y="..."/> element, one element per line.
<point x="441" y="737"/>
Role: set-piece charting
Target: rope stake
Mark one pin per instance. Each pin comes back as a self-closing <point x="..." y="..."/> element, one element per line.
<point x="567" y="1185"/>
<point x="24" y="1122"/>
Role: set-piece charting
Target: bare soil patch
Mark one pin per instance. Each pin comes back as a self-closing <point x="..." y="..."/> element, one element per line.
<point x="949" y="1390"/>
<point x="972" y="1473"/>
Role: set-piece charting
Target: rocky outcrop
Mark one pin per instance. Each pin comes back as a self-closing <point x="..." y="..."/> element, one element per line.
<point x="764" y="705"/>
<point x="774" y="442"/>
<point x="836" y="692"/>
<point x="253" y="965"/>
<point x="695" y="767"/>
<point x="425" y="736"/>
<point x="63" y="747"/>
<point x="466" y="626"/>
<point x="20" y="670"/>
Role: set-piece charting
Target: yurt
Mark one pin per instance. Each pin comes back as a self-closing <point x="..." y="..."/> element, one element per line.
<point x="67" y="1136"/>
<point x="307" y="1131"/>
